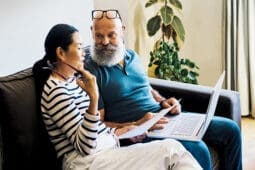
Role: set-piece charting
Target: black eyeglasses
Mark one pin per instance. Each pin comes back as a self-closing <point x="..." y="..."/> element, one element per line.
<point x="110" y="14"/>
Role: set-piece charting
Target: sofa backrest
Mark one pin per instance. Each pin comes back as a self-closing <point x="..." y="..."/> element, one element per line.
<point x="24" y="140"/>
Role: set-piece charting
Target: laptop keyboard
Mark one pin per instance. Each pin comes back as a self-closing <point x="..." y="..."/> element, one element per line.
<point x="184" y="125"/>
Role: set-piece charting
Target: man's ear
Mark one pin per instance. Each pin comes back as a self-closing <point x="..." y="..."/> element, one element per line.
<point x="123" y="31"/>
<point x="123" y="28"/>
<point x="91" y="30"/>
<point x="60" y="53"/>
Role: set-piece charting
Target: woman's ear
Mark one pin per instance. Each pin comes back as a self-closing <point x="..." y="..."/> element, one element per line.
<point x="60" y="53"/>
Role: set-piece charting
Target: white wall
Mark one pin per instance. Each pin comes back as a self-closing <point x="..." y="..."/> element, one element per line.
<point x="25" y="23"/>
<point x="203" y="22"/>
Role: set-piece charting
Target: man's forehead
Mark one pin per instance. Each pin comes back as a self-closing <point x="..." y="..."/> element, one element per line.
<point x="107" y="23"/>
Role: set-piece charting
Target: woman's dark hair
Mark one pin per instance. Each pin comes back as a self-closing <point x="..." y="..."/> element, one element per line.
<point x="59" y="35"/>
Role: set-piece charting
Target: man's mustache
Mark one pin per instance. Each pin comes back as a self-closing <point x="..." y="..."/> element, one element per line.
<point x="106" y="47"/>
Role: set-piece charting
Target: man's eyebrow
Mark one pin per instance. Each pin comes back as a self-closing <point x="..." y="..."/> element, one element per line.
<point x="112" y="32"/>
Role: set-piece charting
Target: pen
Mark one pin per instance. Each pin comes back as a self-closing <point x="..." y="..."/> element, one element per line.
<point x="176" y="104"/>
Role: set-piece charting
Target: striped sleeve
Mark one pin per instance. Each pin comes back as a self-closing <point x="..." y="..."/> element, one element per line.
<point x="61" y="111"/>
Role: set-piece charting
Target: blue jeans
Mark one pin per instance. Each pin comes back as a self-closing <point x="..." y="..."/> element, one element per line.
<point x="223" y="134"/>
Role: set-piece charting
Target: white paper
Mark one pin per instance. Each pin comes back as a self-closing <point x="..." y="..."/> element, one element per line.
<point x="141" y="129"/>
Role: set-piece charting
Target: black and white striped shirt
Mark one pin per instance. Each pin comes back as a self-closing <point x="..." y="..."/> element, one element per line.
<point x="63" y="106"/>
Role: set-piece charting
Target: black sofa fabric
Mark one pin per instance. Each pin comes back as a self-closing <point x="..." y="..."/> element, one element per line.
<point x="25" y="144"/>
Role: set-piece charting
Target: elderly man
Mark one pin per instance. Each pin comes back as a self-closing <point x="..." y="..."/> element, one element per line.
<point x="126" y="96"/>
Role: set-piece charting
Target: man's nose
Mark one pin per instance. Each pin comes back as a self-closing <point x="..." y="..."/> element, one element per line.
<point x="83" y="53"/>
<point x="105" y="41"/>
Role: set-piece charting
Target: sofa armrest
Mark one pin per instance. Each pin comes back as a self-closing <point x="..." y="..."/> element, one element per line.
<point x="195" y="98"/>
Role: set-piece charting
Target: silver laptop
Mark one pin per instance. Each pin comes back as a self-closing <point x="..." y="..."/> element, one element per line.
<point x="191" y="126"/>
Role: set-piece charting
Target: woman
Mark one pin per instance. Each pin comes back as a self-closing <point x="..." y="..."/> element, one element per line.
<point x="69" y="110"/>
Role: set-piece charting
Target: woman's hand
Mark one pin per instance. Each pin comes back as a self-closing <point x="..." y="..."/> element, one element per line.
<point x="158" y="125"/>
<point x="88" y="83"/>
<point x="122" y="130"/>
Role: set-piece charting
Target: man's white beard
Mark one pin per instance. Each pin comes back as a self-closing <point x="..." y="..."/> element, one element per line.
<point x="107" y="55"/>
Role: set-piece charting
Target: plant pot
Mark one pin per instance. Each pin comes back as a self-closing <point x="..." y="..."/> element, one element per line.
<point x="151" y="71"/>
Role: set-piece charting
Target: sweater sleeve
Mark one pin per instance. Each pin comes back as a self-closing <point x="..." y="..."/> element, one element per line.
<point x="60" y="111"/>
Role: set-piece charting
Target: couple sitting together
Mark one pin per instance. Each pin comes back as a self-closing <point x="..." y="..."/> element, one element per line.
<point x="90" y="98"/>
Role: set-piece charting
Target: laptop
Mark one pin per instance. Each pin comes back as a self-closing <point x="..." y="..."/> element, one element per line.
<point x="190" y="126"/>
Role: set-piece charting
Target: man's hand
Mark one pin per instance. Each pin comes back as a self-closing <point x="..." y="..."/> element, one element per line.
<point x="169" y="102"/>
<point x="165" y="103"/>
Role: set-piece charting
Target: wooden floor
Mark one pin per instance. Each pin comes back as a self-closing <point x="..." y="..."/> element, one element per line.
<point x="248" y="136"/>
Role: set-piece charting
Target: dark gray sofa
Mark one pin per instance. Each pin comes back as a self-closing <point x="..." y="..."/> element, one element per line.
<point x="23" y="140"/>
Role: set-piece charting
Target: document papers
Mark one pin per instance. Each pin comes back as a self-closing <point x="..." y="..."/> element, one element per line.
<point x="144" y="127"/>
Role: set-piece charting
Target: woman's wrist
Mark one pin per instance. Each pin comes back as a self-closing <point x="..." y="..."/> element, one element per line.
<point x="93" y="97"/>
<point x="92" y="112"/>
<point x="117" y="131"/>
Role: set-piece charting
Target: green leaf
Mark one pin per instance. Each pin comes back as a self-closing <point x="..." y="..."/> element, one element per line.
<point x="166" y="13"/>
<point x="150" y="2"/>
<point x="156" y="71"/>
<point x="178" y="27"/>
<point x="176" y="3"/>
<point x="156" y="62"/>
<point x="151" y="53"/>
<point x="184" y="72"/>
<point x="153" y="25"/>
<point x="191" y="76"/>
<point x="151" y="59"/>
<point x="161" y="73"/>
<point x="191" y="64"/>
<point x="183" y="61"/>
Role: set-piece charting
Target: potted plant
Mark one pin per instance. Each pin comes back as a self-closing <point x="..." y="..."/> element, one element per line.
<point x="164" y="57"/>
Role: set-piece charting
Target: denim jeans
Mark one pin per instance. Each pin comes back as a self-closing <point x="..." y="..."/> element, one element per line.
<point x="223" y="134"/>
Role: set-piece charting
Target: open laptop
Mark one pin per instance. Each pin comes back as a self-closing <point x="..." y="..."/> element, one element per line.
<point x="190" y="126"/>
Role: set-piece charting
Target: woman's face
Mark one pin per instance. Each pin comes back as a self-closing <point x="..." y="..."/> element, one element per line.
<point x="74" y="55"/>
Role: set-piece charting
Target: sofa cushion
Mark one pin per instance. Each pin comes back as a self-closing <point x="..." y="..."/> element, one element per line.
<point x="24" y="139"/>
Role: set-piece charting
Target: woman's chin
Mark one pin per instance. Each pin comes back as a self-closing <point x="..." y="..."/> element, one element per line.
<point x="80" y="65"/>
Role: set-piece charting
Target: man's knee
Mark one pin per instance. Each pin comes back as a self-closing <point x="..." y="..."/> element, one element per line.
<point x="229" y="127"/>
